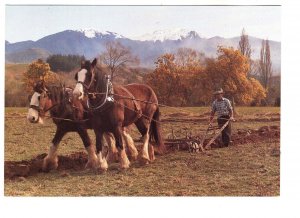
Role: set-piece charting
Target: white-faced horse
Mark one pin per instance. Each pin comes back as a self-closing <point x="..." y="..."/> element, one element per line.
<point x="114" y="107"/>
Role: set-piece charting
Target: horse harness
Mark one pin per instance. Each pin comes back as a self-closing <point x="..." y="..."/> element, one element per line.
<point x="109" y="99"/>
<point x="137" y="106"/>
<point x="67" y="99"/>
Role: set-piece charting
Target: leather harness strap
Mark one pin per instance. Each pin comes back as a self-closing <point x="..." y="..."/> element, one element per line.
<point x="37" y="108"/>
<point x="136" y="104"/>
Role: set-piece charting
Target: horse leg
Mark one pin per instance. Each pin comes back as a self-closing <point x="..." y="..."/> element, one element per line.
<point x="90" y="148"/>
<point x="112" y="149"/>
<point x="124" y="162"/>
<point x="130" y="144"/>
<point x="51" y="160"/>
<point x="101" y="158"/>
<point x="151" y="152"/>
<point x="143" y="126"/>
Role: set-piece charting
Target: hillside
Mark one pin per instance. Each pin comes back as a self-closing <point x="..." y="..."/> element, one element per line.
<point x="91" y="43"/>
<point x="14" y="91"/>
<point x="27" y="55"/>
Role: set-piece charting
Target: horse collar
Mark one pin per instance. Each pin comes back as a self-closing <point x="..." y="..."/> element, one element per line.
<point x="108" y="96"/>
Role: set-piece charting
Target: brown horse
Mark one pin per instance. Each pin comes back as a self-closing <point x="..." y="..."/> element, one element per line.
<point x="58" y="101"/>
<point x="115" y="107"/>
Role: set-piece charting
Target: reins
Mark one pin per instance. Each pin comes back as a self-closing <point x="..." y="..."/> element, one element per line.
<point x="66" y="119"/>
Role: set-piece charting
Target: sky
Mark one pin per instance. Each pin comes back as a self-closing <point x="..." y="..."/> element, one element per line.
<point x="34" y="22"/>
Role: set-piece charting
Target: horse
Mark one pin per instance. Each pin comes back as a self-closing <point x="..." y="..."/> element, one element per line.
<point x="115" y="107"/>
<point x="58" y="100"/>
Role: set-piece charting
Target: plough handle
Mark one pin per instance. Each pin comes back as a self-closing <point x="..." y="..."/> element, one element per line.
<point x="218" y="133"/>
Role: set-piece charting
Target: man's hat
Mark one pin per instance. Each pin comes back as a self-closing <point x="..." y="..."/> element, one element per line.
<point x="219" y="91"/>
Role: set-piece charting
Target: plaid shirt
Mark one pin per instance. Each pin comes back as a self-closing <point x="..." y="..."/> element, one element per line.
<point x="222" y="107"/>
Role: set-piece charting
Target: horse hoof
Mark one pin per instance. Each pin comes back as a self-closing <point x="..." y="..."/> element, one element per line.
<point x="49" y="164"/>
<point x="91" y="165"/>
<point x="124" y="167"/>
<point x="152" y="159"/>
<point x="144" y="161"/>
<point x="133" y="157"/>
<point x="103" y="165"/>
<point x="103" y="170"/>
<point x="160" y="150"/>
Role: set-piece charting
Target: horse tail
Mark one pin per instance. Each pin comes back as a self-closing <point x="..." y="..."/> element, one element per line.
<point x="156" y="132"/>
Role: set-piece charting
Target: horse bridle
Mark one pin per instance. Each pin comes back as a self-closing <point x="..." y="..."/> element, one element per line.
<point x="87" y="87"/>
<point x="39" y="108"/>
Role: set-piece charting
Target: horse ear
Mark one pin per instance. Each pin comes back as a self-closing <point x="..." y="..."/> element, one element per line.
<point x="94" y="62"/>
<point x="76" y="76"/>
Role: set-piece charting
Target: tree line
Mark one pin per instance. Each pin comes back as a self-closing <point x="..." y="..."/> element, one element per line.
<point x="64" y="63"/>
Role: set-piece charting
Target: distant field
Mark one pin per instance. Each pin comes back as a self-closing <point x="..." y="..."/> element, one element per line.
<point x="250" y="169"/>
<point x="15" y="69"/>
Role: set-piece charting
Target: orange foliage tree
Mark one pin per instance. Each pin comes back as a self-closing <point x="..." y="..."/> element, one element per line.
<point x="173" y="76"/>
<point x="229" y="71"/>
<point x="182" y="79"/>
<point x="38" y="70"/>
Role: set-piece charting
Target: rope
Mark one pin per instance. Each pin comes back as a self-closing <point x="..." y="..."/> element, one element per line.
<point x="65" y="119"/>
<point x="144" y="101"/>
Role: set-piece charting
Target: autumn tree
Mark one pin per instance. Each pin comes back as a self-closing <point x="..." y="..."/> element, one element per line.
<point x="164" y="78"/>
<point x="117" y="56"/>
<point x="244" y="45"/>
<point x="190" y="64"/>
<point x="183" y="81"/>
<point x="38" y="70"/>
<point x="173" y="77"/>
<point x="229" y="71"/>
<point x="187" y="57"/>
<point x="265" y="64"/>
<point x="245" y="49"/>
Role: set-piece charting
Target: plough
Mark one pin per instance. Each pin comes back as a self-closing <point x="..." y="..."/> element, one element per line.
<point x="196" y="143"/>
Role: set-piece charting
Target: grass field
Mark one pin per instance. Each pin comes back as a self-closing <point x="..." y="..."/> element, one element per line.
<point x="250" y="169"/>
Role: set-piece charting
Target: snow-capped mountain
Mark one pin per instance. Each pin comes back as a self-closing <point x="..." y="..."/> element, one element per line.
<point x="92" y="33"/>
<point x="90" y="43"/>
<point x="168" y="34"/>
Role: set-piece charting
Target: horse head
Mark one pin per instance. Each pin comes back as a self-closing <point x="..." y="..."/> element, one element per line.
<point x="39" y="103"/>
<point x="85" y="78"/>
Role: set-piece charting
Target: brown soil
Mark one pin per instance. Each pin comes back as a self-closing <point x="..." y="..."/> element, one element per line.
<point x="77" y="161"/>
<point x="15" y="169"/>
<point x="243" y="136"/>
<point x="193" y="120"/>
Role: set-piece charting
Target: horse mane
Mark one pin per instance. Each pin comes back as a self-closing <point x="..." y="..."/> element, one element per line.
<point x="100" y="85"/>
<point x="59" y="95"/>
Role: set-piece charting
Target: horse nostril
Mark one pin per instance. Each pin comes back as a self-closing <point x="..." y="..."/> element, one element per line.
<point x="32" y="119"/>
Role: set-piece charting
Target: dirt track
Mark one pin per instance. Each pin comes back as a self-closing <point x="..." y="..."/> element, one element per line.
<point x="77" y="161"/>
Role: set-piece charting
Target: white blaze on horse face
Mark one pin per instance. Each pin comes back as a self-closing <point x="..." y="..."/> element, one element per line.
<point x="78" y="91"/>
<point x="33" y="115"/>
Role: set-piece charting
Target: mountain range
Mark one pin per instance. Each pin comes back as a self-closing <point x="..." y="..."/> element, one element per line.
<point x="148" y="47"/>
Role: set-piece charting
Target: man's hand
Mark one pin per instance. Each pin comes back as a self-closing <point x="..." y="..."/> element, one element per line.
<point x="232" y="119"/>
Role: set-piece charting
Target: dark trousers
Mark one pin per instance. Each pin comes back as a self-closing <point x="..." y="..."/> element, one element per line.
<point x="226" y="133"/>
